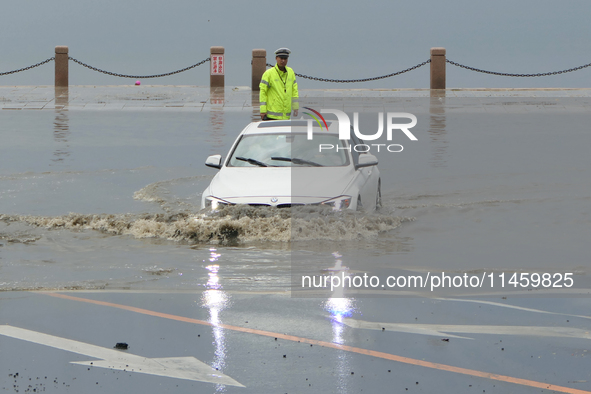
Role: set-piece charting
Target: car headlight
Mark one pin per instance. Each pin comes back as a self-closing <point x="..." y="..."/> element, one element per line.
<point x="338" y="203"/>
<point x="214" y="203"/>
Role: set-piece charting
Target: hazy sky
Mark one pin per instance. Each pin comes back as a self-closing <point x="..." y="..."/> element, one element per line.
<point x="332" y="39"/>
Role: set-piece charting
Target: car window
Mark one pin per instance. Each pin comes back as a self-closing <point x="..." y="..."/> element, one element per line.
<point x="323" y="150"/>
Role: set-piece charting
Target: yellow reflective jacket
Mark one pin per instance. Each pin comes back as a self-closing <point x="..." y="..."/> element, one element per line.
<point x="279" y="93"/>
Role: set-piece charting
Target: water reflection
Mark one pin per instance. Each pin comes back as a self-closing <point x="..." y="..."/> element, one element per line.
<point x="216" y="300"/>
<point x="256" y="107"/>
<point x="61" y="127"/>
<point x="216" y="119"/>
<point x="338" y="305"/>
<point x="437" y="128"/>
<point x="339" y="308"/>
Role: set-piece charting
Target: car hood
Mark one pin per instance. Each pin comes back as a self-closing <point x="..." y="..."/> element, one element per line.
<point x="325" y="182"/>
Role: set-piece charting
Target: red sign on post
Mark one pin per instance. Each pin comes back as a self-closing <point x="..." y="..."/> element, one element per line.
<point x="217" y="64"/>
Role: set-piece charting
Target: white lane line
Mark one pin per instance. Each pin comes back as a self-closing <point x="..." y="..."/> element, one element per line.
<point x="520" y="308"/>
<point x="443" y="330"/>
<point x="188" y="368"/>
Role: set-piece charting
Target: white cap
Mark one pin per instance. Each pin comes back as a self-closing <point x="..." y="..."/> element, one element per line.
<point x="282" y="52"/>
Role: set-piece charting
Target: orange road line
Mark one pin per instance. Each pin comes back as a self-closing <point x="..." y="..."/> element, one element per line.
<point x="352" y="349"/>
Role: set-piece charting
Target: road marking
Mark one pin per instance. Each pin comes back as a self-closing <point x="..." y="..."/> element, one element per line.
<point x="442" y="330"/>
<point x="519" y="308"/>
<point x="352" y="349"/>
<point x="188" y="368"/>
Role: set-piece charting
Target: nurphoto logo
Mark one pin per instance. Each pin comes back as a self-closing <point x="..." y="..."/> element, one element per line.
<point x="345" y="129"/>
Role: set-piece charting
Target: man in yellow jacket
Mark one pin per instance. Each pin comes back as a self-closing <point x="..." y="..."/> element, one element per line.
<point x="279" y="89"/>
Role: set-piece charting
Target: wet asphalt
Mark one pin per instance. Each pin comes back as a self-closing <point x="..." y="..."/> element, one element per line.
<point x="270" y="341"/>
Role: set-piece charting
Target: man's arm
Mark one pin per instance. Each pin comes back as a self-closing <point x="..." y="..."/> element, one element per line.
<point x="295" y="104"/>
<point x="263" y="87"/>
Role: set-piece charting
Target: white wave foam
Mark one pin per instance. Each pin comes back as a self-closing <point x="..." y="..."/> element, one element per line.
<point x="241" y="224"/>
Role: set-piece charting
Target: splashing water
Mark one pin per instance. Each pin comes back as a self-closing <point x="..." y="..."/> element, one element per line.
<point x="234" y="224"/>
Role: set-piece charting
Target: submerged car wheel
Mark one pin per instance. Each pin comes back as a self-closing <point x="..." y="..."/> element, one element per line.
<point x="359" y="204"/>
<point x="379" y="196"/>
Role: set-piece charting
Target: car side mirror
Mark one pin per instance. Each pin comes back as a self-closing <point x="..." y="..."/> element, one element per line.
<point x="214" y="161"/>
<point x="366" y="160"/>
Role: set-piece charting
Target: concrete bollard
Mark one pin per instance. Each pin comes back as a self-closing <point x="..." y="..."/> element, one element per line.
<point x="217" y="67"/>
<point x="259" y="66"/>
<point x="438" y="68"/>
<point x="61" y="66"/>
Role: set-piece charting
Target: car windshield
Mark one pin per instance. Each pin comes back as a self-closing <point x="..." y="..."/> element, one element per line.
<point x="289" y="150"/>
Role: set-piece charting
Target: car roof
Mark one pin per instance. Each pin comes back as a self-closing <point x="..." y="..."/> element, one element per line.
<point x="288" y="126"/>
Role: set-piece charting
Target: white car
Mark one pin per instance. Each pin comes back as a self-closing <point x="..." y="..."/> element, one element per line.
<point x="274" y="163"/>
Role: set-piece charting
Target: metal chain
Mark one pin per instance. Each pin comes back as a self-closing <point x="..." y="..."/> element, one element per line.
<point x="518" y="75"/>
<point x="28" y="68"/>
<point x="138" y="76"/>
<point x="359" y="80"/>
<point x="305" y="76"/>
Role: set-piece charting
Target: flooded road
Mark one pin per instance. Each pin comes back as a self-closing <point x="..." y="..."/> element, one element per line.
<point x="490" y="189"/>
<point x="107" y="202"/>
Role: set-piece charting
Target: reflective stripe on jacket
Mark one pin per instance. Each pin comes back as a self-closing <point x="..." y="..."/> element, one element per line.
<point x="279" y="93"/>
